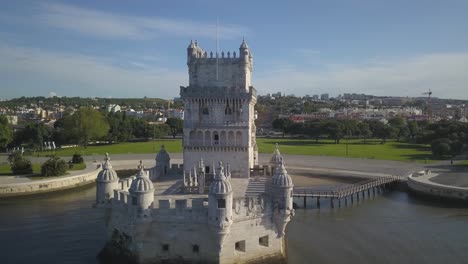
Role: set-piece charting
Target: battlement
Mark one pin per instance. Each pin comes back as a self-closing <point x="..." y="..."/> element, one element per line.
<point x="232" y="56"/>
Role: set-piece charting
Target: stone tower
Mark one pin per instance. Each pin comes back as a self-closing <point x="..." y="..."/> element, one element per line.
<point x="219" y="110"/>
<point x="106" y="181"/>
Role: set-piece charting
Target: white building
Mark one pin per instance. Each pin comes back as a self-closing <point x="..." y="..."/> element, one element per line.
<point x="202" y="211"/>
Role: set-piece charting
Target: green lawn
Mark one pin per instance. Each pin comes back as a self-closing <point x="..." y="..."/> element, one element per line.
<point x="173" y="146"/>
<point x="356" y="149"/>
<point x="391" y="150"/>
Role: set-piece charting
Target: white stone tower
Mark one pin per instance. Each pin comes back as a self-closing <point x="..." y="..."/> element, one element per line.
<point x="220" y="205"/>
<point x="219" y="110"/>
<point x="282" y="188"/>
<point x="142" y="191"/>
<point x="106" y="181"/>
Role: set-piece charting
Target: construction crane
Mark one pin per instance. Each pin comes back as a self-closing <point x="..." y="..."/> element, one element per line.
<point x="428" y="105"/>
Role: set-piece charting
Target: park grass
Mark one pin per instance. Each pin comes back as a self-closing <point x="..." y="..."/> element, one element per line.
<point x="171" y="145"/>
<point x="391" y="150"/>
<point x="370" y="149"/>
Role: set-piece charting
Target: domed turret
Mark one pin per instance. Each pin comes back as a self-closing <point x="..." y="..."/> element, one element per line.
<point x="106" y="181"/>
<point x="220" y="205"/>
<point x="281" y="177"/>
<point x="220" y="185"/>
<point x="142" y="189"/>
<point x="163" y="162"/>
<point x="282" y="187"/>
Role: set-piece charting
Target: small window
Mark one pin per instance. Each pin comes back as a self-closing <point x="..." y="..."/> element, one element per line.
<point x="195" y="248"/>
<point x="134" y="200"/>
<point x="205" y="110"/>
<point x="165" y="247"/>
<point x="207" y="169"/>
<point x="221" y="203"/>
<point x="240" y="246"/>
<point x="263" y="241"/>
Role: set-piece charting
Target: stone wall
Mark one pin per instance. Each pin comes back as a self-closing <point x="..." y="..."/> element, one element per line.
<point x="438" y="190"/>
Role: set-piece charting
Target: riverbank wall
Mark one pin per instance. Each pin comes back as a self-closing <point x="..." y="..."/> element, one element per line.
<point x="81" y="178"/>
<point x="423" y="185"/>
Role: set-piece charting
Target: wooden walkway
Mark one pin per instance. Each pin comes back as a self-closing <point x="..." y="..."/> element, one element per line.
<point x="347" y="192"/>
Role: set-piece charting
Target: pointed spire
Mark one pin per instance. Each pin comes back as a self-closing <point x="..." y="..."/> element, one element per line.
<point x="141" y="168"/>
<point x="220" y="172"/>
<point x="106" y="165"/>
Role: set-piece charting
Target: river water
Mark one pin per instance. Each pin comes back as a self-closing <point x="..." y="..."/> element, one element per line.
<point x="392" y="228"/>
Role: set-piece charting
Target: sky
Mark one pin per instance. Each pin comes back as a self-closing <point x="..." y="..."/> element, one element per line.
<point x="138" y="48"/>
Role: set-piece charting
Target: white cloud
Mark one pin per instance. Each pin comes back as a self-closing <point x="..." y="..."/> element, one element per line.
<point x="29" y="70"/>
<point x="108" y="25"/>
<point x="443" y="73"/>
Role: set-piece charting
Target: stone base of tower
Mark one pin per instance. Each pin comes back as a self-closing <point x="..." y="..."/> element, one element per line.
<point x="238" y="160"/>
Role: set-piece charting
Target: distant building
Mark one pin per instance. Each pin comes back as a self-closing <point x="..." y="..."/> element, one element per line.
<point x="113" y="108"/>
<point x="324" y="97"/>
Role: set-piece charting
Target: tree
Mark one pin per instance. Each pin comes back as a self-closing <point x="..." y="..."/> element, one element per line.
<point x="175" y="125"/>
<point x="19" y="165"/>
<point x="6" y="133"/>
<point x="86" y="124"/>
<point x="399" y="127"/>
<point x="364" y="130"/>
<point x="314" y="130"/>
<point x="282" y="124"/>
<point x="158" y="131"/>
<point x="380" y="130"/>
<point x="335" y="130"/>
<point x="441" y="147"/>
<point x="54" y="166"/>
<point x="34" y="135"/>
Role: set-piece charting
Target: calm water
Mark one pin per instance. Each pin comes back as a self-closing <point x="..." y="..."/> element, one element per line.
<point x="393" y="228"/>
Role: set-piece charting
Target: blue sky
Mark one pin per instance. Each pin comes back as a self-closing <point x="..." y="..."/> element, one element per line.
<point x="138" y="48"/>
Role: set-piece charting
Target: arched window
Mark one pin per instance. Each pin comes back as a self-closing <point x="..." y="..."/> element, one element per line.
<point x="238" y="138"/>
<point x="215" y="138"/>
<point x="205" y="110"/>
<point x="227" y="110"/>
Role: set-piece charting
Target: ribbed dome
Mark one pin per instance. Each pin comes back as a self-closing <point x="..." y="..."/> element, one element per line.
<point x="281" y="177"/>
<point x="162" y="155"/>
<point x="276" y="155"/>
<point x="107" y="174"/>
<point x="142" y="183"/>
<point x="220" y="185"/>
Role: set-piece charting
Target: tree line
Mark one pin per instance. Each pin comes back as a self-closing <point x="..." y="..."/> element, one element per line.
<point x="83" y="126"/>
<point x="447" y="138"/>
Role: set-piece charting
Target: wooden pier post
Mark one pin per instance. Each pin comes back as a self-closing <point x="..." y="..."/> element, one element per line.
<point x="339" y="202"/>
<point x="318" y="202"/>
<point x="346" y="201"/>
<point x="352" y="198"/>
<point x="305" y="202"/>
<point x="331" y="203"/>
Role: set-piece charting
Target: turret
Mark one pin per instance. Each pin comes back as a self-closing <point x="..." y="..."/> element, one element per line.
<point x="142" y="190"/>
<point x="191" y="51"/>
<point x="282" y="188"/>
<point x="220" y="205"/>
<point x="106" y="182"/>
<point x="244" y="52"/>
<point x="163" y="163"/>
